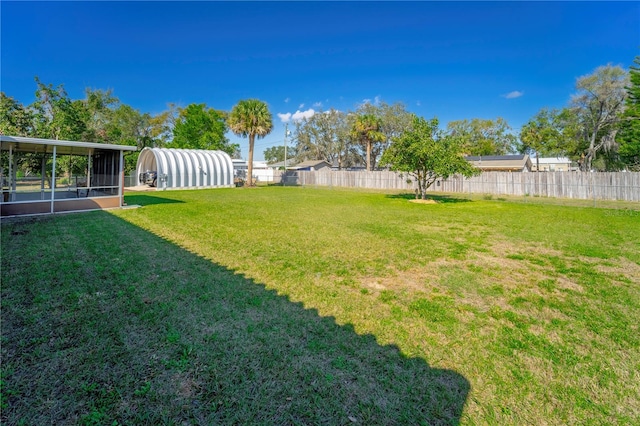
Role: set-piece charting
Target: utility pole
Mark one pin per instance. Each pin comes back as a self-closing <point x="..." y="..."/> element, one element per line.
<point x="286" y="132"/>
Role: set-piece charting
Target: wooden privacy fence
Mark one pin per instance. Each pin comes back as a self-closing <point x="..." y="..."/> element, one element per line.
<point x="598" y="186"/>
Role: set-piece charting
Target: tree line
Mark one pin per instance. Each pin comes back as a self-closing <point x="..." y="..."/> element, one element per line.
<point x="359" y="138"/>
<point x="599" y="128"/>
<point x="101" y="117"/>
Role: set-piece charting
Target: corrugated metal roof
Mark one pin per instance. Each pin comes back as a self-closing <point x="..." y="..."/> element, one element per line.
<point x="187" y="168"/>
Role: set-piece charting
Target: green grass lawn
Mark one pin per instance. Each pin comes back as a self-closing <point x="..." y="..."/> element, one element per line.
<point x="309" y="306"/>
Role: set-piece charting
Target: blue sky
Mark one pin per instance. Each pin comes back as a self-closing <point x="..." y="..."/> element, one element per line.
<point x="453" y="60"/>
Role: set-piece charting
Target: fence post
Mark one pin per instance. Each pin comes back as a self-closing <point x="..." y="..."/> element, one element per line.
<point x="593" y="187"/>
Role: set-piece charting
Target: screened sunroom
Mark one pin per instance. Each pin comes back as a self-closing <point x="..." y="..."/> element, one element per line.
<point x="42" y="176"/>
<point x="185" y="168"/>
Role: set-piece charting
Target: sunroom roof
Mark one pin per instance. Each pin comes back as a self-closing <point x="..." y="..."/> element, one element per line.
<point x="37" y="145"/>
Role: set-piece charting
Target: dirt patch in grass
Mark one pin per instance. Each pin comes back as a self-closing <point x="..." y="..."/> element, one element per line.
<point x="414" y="279"/>
<point x="483" y="281"/>
<point x="186" y="386"/>
<point x="420" y="201"/>
<point x="621" y="268"/>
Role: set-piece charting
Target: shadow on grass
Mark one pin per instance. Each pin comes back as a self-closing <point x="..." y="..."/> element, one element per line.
<point x="143" y="331"/>
<point x="445" y="199"/>
<point x="148" y="200"/>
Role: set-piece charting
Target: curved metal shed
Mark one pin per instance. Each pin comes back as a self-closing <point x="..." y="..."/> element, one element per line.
<point x="187" y="168"/>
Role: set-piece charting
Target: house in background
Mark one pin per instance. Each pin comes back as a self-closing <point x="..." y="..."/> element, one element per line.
<point x="501" y="163"/>
<point x="261" y="171"/>
<point x="311" y="165"/>
<point x="281" y="165"/>
<point x="552" y="164"/>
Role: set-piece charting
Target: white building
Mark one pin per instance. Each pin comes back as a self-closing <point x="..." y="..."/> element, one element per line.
<point x="551" y="164"/>
<point x="261" y="171"/>
<point x="187" y="168"/>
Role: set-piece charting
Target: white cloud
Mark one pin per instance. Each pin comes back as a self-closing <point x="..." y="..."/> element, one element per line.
<point x="418" y="103"/>
<point x="284" y="117"/>
<point x="376" y="101"/>
<point x="318" y="104"/>
<point x="300" y="115"/>
<point x="296" y="116"/>
<point x="286" y="101"/>
<point x="513" y="95"/>
<point x="301" y="106"/>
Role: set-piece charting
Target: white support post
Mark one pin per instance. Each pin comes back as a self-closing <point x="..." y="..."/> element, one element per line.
<point x="121" y="174"/>
<point x="11" y="179"/>
<point x="43" y="176"/>
<point x="53" y="180"/>
<point x="89" y="169"/>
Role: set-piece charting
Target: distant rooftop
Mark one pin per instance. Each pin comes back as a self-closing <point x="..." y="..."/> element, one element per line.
<point x="519" y="162"/>
<point x="513" y="157"/>
<point x="552" y="160"/>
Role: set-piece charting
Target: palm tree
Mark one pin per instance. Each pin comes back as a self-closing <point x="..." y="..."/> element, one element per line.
<point x="366" y="130"/>
<point x="250" y="117"/>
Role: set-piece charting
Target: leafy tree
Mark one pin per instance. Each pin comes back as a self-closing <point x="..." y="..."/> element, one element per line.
<point x="598" y="105"/>
<point x="199" y="127"/>
<point x="366" y="130"/>
<point x="586" y="131"/>
<point x="550" y="133"/>
<point x="394" y="118"/>
<point x="484" y="137"/>
<point x="275" y="154"/>
<point x="426" y="154"/>
<point x="390" y="122"/>
<point x="98" y="110"/>
<point x="127" y="126"/>
<point x="542" y="134"/>
<point x="99" y="117"/>
<point x="55" y="115"/>
<point x="161" y="126"/>
<point x="629" y="135"/>
<point x="250" y="118"/>
<point x="324" y="136"/>
<point x="15" y="119"/>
